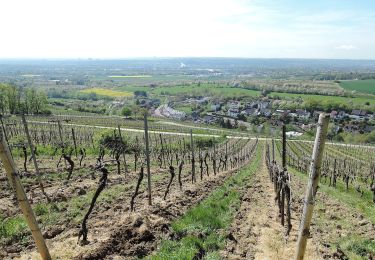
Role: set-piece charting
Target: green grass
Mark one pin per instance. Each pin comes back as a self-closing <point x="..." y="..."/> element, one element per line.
<point x="200" y="229"/>
<point x="224" y="91"/>
<point x="358" y="248"/>
<point x="206" y="89"/>
<point x="349" y="197"/>
<point x="364" y="86"/>
<point x="357" y="101"/>
<point x="13" y="228"/>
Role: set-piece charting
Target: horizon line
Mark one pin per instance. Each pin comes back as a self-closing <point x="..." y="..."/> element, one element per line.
<point x="171" y="57"/>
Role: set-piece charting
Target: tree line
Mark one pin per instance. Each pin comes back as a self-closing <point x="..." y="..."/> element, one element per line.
<point x="16" y="100"/>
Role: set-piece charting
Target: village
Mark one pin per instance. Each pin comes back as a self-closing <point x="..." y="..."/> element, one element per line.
<point x="245" y="115"/>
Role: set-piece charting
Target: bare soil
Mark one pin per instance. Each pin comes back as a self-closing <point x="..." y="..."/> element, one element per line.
<point x="115" y="232"/>
<point x="256" y="232"/>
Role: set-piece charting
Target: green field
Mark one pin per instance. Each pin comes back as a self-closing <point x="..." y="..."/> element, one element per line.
<point x="359" y="101"/>
<point x="130" y="76"/>
<point x="364" y="86"/>
<point x="107" y="92"/>
<point x="218" y="90"/>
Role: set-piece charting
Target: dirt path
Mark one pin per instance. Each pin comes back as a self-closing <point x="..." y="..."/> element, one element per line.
<point x="256" y="232"/>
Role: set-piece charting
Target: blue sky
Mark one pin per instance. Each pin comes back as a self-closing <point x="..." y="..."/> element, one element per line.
<point x="174" y="28"/>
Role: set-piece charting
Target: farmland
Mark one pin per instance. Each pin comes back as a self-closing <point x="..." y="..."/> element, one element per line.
<point x="204" y="89"/>
<point x="210" y="184"/>
<point x="362" y="86"/>
<point x="107" y="92"/>
<point x="359" y="101"/>
<point x="129" y="76"/>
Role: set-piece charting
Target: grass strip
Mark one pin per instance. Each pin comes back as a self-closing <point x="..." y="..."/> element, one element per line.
<point x="350" y="197"/>
<point x="200" y="229"/>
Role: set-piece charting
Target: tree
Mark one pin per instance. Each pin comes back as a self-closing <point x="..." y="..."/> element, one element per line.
<point x="41" y="102"/>
<point x="126" y="112"/>
<point x="242" y="117"/>
<point x="12" y="97"/>
<point x="35" y="101"/>
<point x="3" y="100"/>
<point x="15" y="100"/>
<point x="141" y="93"/>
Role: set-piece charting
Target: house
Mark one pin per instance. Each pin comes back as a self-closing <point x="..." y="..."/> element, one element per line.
<point x="368" y="128"/>
<point x="316" y="114"/>
<point x="371" y="116"/>
<point x="203" y="100"/>
<point x="334" y="114"/>
<point x="358" y="114"/>
<point x="281" y="112"/>
<point x="303" y="114"/>
<point x="215" y="107"/>
<point x="341" y="115"/>
<point x="351" y="128"/>
<point x="258" y="104"/>
<point x="209" y="119"/>
<point x="167" y="111"/>
<point x="249" y="112"/>
<point x="194" y="115"/>
<point x="307" y="127"/>
<point x="234" y="104"/>
<point x="233" y="112"/>
<point x="251" y="105"/>
<point x="265" y="112"/>
<point x="293" y="134"/>
<point x="263" y="104"/>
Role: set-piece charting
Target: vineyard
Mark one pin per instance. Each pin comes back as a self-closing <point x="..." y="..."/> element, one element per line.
<point x="108" y="187"/>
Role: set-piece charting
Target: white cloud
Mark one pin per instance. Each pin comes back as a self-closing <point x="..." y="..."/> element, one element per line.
<point x="346" y="47"/>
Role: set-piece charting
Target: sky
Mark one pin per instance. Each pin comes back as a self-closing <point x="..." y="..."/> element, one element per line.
<point x="339" y="29"/>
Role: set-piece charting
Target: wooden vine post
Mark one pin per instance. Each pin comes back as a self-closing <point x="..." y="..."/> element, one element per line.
<point x="74" y="142"/>
<point x="315" y="169"/>
<point x="123" y="152"/>
<point x="14" y="180"/>
<point x="2" y="125"/>
<point x="60" y="133"/>
<point x="282" y="201"/>
<point x="284" y="148"/>
<point x="32" y="149"/>
<point x="192" y="157"/>
<point x="148" y="160"/>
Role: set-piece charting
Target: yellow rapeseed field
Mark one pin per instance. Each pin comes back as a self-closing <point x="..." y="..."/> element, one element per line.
<point x="107" y="92"/>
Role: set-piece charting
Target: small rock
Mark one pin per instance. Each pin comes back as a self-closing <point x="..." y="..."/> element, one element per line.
<point x="81" y="191"/>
